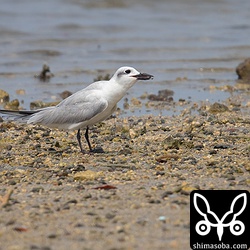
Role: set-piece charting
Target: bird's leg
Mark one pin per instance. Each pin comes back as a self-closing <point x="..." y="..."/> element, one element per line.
<point x="78" y="136"/>
<point x="87" y="139"/>
<point x="95" y="150"/>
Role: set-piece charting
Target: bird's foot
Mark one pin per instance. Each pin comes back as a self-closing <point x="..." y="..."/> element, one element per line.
<point x="84" y="152"/>
<point x="97" y="150"/>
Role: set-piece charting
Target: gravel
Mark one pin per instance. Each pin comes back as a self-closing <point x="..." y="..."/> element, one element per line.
<point x="133" y="196"/>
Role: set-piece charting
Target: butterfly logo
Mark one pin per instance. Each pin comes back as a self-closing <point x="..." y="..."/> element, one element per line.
<point x="203" y="227"/>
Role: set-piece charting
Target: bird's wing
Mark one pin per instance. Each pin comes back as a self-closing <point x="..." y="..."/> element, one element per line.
<point x="74" y="109"/>
<point x="16" y="115"/>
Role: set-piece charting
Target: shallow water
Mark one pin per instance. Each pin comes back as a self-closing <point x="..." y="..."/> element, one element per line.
<point x="187" y="45"/>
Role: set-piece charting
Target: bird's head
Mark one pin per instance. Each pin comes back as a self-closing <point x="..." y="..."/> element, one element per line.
<point x="127" y="76"/>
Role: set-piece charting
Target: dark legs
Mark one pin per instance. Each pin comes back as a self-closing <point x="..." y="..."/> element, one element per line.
<point x="78" y="136"/>
<point x="87" y="139"/>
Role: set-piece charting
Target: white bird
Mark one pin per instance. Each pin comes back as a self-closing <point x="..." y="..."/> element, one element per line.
<point x="86" y="107"/>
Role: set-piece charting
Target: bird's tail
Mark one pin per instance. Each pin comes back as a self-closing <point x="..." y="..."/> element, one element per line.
<point x="16" y="115"/>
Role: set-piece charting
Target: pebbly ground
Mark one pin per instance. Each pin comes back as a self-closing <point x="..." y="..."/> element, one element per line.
<point x="133" y="196"/>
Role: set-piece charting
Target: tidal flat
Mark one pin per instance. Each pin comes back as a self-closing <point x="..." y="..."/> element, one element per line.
<point x="135" y="195"/>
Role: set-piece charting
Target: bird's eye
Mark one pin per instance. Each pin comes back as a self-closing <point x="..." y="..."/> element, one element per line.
<point x="128" y="71"/>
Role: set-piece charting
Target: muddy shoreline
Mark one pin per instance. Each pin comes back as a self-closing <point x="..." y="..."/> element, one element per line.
<point x="135" y="195"/>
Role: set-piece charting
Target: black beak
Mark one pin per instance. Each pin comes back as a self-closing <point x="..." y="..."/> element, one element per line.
<point x="143" y="76"/>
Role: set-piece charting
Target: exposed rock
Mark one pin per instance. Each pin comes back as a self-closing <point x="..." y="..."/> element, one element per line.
<point x="14" y="104"/>
<point x="218" y="108"/>
<point x="40" y="104"/>
<point x="102" y="78"/>
<point x="45" y="74"/>
<point x="4" y="96"/>
<point x="20" y="92"/>
<point x="243" y="70"/>
<point x="163" y="95"/>
<point x="65" y="94"/>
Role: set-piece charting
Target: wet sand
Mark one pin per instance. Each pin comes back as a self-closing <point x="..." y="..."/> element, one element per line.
<point x="135" y="195"/>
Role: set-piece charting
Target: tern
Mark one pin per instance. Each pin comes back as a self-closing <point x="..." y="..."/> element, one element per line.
<point x="86" y="107"/>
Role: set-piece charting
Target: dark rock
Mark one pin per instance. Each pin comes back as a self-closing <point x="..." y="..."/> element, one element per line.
<point x="199" y="147"/>
<point x="98" y="150"/>
<point x="77" y="168"/>
<point x="52" y="236"/>
<point x="4" y="96"/>
<point x="65" y="94"/>
<point x="45" y="74"/>
<point x="166" y="92"/>
<point x="163" y="95"/>
<point x="166" y="194"/>
<point x="154" y="201"/>
<point x="13" y="105"/>
<point x="243" y="70"/>
<point x="102" y="78"/>
<point x="172" y="143"/>
<point x="12" y="182"/>
<point x="221" y="146"/>
<point x="110" y="216"/>
<point x="79" y="225"/>
<point x="37" y="189"/>
<point x="40" y="104"/>
<point x="160" y="173"/>
<point x="218" y="108"/>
